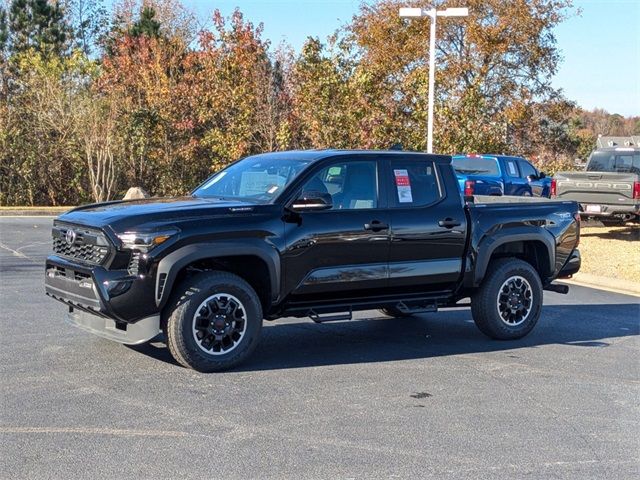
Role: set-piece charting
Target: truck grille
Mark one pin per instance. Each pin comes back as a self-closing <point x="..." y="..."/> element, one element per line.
<point x="80" y="243"/>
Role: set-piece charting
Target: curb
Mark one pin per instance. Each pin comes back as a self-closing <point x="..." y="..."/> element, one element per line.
<point x="32" y="211"/>
<point x="615" y="285"/>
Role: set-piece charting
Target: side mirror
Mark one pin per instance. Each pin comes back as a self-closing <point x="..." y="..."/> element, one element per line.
<point x="312" y="201"/>
<point x="542" y="175"/>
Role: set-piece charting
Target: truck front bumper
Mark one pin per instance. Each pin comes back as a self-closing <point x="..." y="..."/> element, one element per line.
<point x="108" y="303"/>
<point x="128" y="333"/>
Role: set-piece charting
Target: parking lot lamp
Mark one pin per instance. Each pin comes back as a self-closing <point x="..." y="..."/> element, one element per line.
<point x="433" y="14"/>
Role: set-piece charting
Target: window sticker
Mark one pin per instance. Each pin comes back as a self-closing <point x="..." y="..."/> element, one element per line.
<point x="362" y="204"/>
<point x="257" y="183"/>
<point x="403" y="185"/>
<point x="512" y="169"/>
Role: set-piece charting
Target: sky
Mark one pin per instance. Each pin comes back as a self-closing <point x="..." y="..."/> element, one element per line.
<point x="600" y="46"/>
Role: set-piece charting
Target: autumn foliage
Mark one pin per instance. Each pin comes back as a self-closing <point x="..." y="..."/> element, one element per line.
<point x="152" y="100"/>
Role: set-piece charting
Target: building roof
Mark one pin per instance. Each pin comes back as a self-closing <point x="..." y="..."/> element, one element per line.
<point x="607" y="141"/>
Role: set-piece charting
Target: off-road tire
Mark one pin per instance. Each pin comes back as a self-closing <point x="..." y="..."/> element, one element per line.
<point x="179" y="319"/>
<point x="484" y="303"/>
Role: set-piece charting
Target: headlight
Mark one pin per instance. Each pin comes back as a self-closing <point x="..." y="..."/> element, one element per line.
<point x="145" y="241"/>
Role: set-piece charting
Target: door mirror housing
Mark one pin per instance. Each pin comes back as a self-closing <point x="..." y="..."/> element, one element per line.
<point x="542" y="175"/>
<point x="312" y="201"/>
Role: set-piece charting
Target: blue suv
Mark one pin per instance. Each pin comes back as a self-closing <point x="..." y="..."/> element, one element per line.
<point x="499" y="175"/>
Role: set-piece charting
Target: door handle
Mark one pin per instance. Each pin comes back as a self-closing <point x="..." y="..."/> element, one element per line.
<point x="376" y="226"/>
<point x="449" y="223"/>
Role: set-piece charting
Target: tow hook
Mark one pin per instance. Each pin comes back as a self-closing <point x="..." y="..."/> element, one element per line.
<point x="564" y="289"/>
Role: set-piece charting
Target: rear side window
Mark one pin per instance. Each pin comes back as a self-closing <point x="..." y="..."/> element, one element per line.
<point x="414" y="183"/>
<point x="527" y="169"/>
<point x="512" y="168"/>
<point x="621" y="162"/>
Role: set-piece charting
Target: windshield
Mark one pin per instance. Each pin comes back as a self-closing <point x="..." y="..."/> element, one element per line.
<point x="621" y="162"/>
<point x="475" y="166"/>
<point x="257" y="179"/>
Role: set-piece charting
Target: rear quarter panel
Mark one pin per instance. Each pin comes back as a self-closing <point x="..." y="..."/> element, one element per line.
<point x="538" y="218"/>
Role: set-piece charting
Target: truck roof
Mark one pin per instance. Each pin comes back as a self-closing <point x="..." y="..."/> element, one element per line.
<point x="315" y="155"/>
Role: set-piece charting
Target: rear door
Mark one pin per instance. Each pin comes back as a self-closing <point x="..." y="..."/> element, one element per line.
<point x="514" y="184"/>
<point x="340" y="251"/>
<point x="428" y="224"/>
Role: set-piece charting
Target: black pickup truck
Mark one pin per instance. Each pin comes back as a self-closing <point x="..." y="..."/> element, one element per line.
<point x="314" y="234"/>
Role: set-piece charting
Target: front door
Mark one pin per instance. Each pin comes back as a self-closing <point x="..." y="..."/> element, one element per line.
<point x="342" y="251"/>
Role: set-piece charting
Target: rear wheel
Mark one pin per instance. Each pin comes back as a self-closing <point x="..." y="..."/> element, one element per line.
<point x="508" y="303"/>
<point x="214" y="322"/>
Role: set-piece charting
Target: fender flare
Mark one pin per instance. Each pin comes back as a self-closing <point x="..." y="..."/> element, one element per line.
<point x="488" y="245"/>
<point x="170" y="265"/>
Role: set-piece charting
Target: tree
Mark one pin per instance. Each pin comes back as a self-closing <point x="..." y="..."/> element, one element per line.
<point x="4" y="31"/>
<point x="146" y="24"/>
<point x="88" y="20"/>
<point x="323" y="100"/>
<point x="97" y="121"/>
<point x="229" y="83"/>
<point x="41" y="158"/>
<point x="38" y="25"/>
<point x="501" y="56"/>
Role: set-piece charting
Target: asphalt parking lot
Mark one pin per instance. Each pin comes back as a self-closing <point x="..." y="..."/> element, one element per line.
<point x="424" y="397"/>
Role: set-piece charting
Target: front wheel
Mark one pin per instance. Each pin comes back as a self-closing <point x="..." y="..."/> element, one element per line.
<point x="508" y="303"/>
<point x="214" y="321"/>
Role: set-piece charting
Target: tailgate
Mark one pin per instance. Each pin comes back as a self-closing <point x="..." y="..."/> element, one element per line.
<point x="596" y="187"/>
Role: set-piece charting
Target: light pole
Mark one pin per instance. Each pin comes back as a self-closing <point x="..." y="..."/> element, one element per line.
<point x="433" y="14"/>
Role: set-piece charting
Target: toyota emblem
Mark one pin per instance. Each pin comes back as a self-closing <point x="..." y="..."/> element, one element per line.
<point x="70" y="237"/>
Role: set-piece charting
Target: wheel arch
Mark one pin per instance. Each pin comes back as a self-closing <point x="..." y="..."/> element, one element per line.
<point x="531" y="244"/>
<point x="256" y="263"/>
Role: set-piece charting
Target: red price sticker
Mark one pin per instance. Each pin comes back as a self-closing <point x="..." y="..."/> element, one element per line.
<point x="403" y="185"/>
<point x="402" y="178"/>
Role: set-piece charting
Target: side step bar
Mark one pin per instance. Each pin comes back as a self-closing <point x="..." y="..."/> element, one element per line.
<point x="417" y="307"/>
<point x="336" y="317"/>
<point x="407" y="306"/>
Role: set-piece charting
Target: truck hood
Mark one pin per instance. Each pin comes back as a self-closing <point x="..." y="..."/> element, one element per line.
<point x="124" y="214"/>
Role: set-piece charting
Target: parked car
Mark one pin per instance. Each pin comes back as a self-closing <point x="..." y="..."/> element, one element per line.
<point x="499" y="175"/>
<point x="315" y="234"/>
<point x="609" y="187"/>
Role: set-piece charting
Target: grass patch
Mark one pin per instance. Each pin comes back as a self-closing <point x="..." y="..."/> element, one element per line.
<point x="612" y="252"/>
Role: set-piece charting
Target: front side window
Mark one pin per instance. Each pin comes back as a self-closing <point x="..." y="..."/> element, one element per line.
<point x="414" y="183"/>
<point x="351" y="185"/>
<point x="256" y="179"/>
<point x="527" y="170"/>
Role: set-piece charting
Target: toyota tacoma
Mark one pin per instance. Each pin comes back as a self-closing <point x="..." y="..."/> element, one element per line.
<point x="315" y="234"/>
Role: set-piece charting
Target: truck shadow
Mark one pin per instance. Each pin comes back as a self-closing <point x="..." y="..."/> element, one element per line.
<point x="629" y="233"/>
<point x="298" y="343"/>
